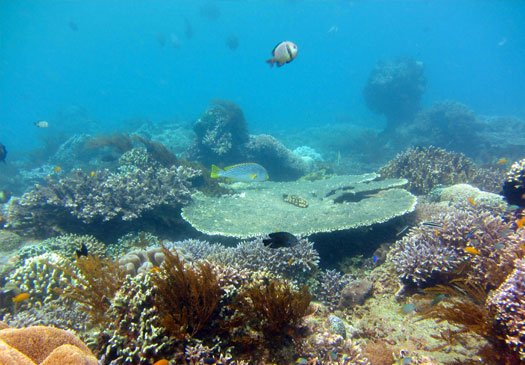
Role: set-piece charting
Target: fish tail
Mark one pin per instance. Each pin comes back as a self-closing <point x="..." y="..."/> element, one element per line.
<point x="271" y="61"/>
<point x="215" y="170"/>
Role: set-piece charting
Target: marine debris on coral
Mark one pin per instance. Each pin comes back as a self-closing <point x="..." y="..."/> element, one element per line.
<point x="336" y="203"/>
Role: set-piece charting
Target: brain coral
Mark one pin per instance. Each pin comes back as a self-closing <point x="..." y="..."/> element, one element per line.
<point x="336" y="203"/>
<point x="44" y="346"/>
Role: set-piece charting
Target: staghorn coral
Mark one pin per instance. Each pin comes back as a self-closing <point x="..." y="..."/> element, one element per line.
<point x="43" y="345"/>
<point x="186" y="298"/>
<point x="394" y="88"/>
<point x="427" y="167"/>
<point x="514" y="186"/>
<point x="102" y="196"/>
<point x="507" y="305"/>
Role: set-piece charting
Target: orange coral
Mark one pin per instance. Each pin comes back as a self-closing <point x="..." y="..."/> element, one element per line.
<point x="43" y="345"/>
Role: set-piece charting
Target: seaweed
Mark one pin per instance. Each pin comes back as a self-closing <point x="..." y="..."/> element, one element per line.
<point x="93" y="283"/>
<point x="464" y="306"/>
<point x="186" y="298"/>
<point x="269" y="315"/>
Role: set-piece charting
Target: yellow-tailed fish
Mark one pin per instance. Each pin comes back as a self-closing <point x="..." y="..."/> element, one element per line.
<point x="471" y="201"/>
<point x="246" y="172"/>
<point x="502" y="161"/>
<point x="57" y="169"/>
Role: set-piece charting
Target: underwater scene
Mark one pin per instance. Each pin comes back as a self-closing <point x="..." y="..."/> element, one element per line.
<point x="262" y="182"/>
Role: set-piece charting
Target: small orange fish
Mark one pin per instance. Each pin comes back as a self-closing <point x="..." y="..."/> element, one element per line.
<point x="502" y="161"/>
<point x="471" y="250"/>
<point x="520" y="223"/>
<point x="154" y="270"/>
<point x="20" y="297"/>
<point x="471" y="201"/>
<point x="161" y="362"/>
<point x="57" y="169"/>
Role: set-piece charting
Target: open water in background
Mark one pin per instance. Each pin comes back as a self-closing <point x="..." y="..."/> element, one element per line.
<point x="84" y="63"/>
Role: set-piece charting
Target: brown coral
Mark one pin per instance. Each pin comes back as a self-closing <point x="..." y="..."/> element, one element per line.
<point x="43" y="345"/>
<point x="186" y="297"/>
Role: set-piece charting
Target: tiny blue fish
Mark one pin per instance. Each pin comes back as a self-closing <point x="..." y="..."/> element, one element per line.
<point x="375" y="258"/>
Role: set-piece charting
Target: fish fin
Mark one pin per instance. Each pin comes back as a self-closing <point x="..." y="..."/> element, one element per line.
<point x="215" y="170"/>
<point x="271" y="62"/>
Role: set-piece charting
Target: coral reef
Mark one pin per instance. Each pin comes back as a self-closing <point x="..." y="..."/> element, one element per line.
<point x="514" y="186"/>
<point x="44" y="346"/>
<point x="337" y="203"/>
<point x="507" y="305"/>
<point x="394" y="89"/>
<point x="445" y="124"/>
<point x="465" y="196"/>
<point x="428" y="167"/>
<point x="428" y="255"/>
<point x="329" y="286"/>
<point x="355" y="293"/>
<point x="281" y="163"/>
<point x="221" y="133"/>
<point x="88" y="198"/>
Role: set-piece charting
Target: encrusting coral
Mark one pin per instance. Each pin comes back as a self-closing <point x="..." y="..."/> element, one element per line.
<point x="514" y="186"/>
<point x="41" y="345"/>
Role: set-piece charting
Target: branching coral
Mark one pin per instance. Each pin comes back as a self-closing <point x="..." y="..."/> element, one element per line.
<point x="186" y="298"/>
<point x="507" y="304"/>
<point x="428" y="167"/>
<point x="103" y="196"/>
<point x="433" y="254"/>
<point x="221" y="132"/>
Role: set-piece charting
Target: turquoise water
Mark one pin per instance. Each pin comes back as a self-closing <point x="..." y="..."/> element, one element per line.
<point x="103" y="61"/>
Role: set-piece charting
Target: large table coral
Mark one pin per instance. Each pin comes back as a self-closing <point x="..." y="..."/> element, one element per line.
<point x="337" y="203"/>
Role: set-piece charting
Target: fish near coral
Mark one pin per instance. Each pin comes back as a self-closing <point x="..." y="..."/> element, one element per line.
<point x="280" y="239"/>
<point x="472" y="250"/>
<point x="471" y="201"/>
<point x="245" y="172"/>
<point x="284" y="52"/>
<point x="520" y="223"/>
<point x="502" y="161"/>
<point x="57" y="169"/>
<point x="3" y="153"/>
<point x="20" y="297"/>
<point x="295" y="200"/>
<point x="161" y="362"/>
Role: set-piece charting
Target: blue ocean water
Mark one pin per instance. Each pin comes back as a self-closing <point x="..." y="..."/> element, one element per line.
<point x="79" y="63"/>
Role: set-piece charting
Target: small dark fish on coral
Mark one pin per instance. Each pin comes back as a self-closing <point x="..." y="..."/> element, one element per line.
<point x="83" y="251"/>
<point x="3" y="153"/>
<point x="280" y="239"/>
<point x="232" y="42"/>
<point x="432" y="224"/>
